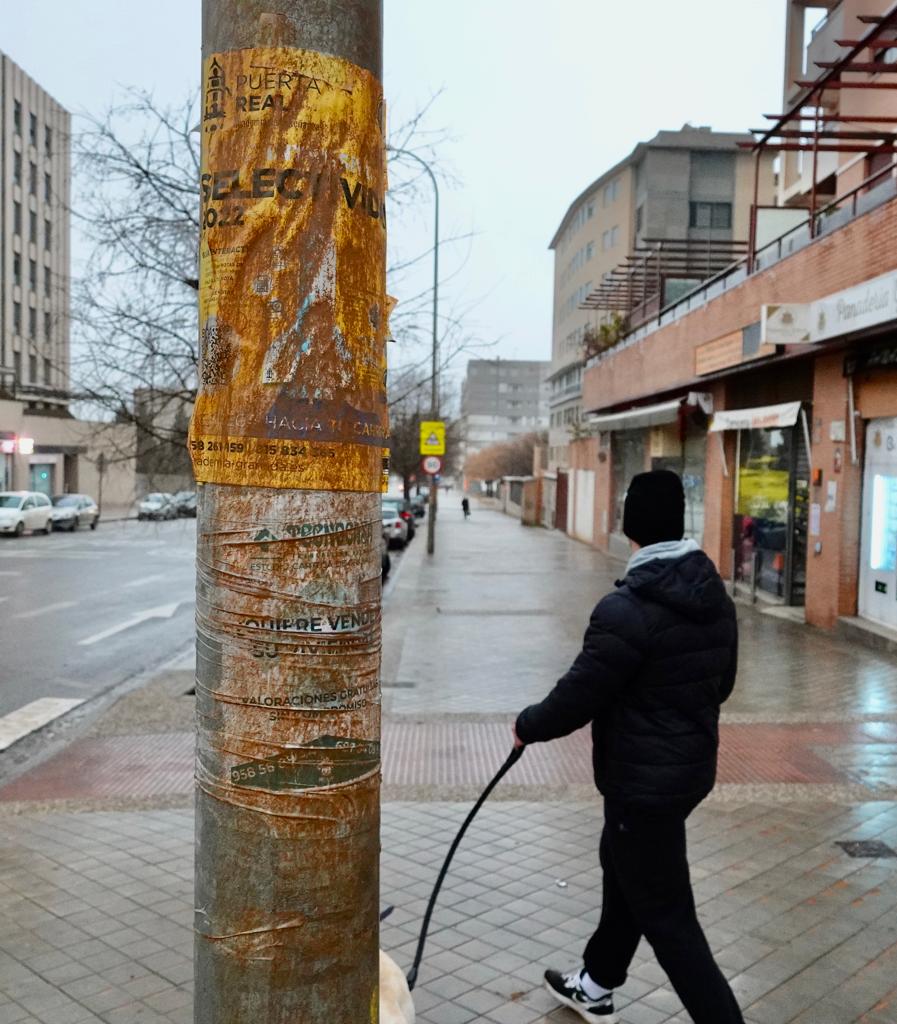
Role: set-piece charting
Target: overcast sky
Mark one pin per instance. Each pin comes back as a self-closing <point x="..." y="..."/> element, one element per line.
<point x="539" y="98"/>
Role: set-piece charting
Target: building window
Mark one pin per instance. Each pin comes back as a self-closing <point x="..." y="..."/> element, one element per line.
<point x="16" y="268"/>
<point x="639" y="219"/>
<point x="590" y="249"/>
<point x="32" y="323"/>
<point x="32" y="226"/>
<point x="47" y="371"/>
<point x="17" y="116"/>
<point x="32" y="179"/>
<point x="17" y="218"/>
<point x="32" y="275"/>
<point x="610" y="238"/>
<point x="48" y="139"/>
<point x="17" y="365"/>
<point x="47" y="282"/>
<point x="17" y="317"/>
<point x="32" y="368"/>
<point x="32" y="129"/>
<point x="48" y="234"/>
<point x="48" y="325"/>
<point x="48" y="188"/>
<point x="710" y="215"/>
<point x="611" y="191"/>
<point x="17" y="168"/>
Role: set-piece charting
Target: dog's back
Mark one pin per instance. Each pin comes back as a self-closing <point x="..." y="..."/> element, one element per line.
<point x="396" y="1006"/>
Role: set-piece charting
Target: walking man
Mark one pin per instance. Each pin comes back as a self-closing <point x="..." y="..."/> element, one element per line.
<point x="465" y="508"/>
<point x="658" y="659"/>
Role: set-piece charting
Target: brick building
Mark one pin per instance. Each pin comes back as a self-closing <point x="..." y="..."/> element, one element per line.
<point x="772" y="388"/>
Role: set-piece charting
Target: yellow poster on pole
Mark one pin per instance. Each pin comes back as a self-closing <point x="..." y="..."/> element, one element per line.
<point x="432" y="437"/>
<point x="293" y="309"/>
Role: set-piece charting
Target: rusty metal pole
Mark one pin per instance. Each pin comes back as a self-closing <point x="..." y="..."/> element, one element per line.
<point x="287" y="441"/>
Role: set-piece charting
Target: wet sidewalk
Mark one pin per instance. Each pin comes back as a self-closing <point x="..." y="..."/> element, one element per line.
<point x="96" y="848"/>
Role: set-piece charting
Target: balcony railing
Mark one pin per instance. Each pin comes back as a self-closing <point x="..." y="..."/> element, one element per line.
<point x="876" y="190"/>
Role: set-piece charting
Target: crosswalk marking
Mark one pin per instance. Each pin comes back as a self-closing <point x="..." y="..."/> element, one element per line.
<point x="35" y="715"/>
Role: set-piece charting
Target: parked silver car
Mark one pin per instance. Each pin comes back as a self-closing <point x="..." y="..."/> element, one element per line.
<point x="157" y="505"/>
<point x="395" y="527"/>
<point x="73" y="510"/>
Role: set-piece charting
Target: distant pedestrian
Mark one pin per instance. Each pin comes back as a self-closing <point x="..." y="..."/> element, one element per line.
<point x="465" y="508"/>
<point x="658" y="659"/>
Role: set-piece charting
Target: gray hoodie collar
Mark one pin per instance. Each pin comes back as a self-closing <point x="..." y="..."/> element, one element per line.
<point x="665" y="549"/>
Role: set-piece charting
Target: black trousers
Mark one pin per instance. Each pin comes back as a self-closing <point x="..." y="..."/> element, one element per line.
<point x="647" y="891"/>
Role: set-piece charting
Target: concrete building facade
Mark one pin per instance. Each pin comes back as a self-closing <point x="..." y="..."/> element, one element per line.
<point x="688" y="185"/>
<point x="43" y="447"/>
<point x="34" y="240"/>
<point x="502" y="399"/>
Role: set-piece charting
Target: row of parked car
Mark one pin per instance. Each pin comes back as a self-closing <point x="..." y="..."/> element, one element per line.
<point x="399" y="515"/>
<point x="34" y="511"/>
<point x="161" y="505"/>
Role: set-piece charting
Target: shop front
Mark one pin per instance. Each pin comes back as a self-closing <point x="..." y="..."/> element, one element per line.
<point x="670" y="435"/>
<point x="771" y="482"/>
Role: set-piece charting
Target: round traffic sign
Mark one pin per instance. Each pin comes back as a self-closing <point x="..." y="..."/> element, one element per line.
<point x="432" y="464"/>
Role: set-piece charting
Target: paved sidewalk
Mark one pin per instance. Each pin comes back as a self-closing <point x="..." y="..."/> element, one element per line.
<point x="96" y="853"/>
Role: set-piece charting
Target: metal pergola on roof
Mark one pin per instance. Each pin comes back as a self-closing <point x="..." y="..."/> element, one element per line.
<point x="807" y="126"/>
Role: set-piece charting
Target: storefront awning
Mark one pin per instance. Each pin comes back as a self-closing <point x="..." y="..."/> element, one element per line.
<point x="651" y="415"/>
<point x="760" y="418"/>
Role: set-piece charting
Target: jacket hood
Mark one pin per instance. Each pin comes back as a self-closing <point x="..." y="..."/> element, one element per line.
<point x="689" y="585"/>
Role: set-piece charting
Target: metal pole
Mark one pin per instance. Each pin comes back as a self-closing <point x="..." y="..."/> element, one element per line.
<point x="752" y="231"/>
<point x="434" y="356"/>
<point x="851" y="411"/>
<point x="287" y="439"/>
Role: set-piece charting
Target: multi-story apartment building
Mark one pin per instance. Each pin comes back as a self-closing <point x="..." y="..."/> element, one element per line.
<point x="501" y="399"/>
<point x="42" y="446"/>
<point x="692" y="186"/>
<point x="34" y="241"/>
<point x="772" y="386"/>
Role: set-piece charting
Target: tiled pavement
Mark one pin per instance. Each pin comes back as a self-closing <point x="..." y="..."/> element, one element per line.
<point x="96" y="913"/>
<point x="95" y="906"/>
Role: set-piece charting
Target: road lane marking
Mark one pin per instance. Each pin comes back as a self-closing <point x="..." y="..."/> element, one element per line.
<point x="9" y="572"/>
<point x="33" y="716"/>
<point x="33" y="614"/>
<point x="164" y="611"/>
<point x="146" y="579"/>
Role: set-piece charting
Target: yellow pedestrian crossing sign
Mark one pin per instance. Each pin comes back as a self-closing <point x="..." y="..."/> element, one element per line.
<point x="432" y="437"/>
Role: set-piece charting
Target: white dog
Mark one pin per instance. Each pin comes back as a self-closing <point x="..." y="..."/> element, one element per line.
<point x="396" y="1006"/>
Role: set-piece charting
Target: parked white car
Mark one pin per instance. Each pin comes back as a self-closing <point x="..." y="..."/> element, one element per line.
<point x="395" y="528"/>
<point x="73" y="510"/>
<point x="25" y="510"/>
<point x="157" y="505"/>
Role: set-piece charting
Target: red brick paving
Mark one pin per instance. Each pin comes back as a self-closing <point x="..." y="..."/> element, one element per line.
<point x="444" y="753"/>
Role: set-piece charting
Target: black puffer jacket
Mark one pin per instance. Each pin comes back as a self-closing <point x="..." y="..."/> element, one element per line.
<point x="658" y="659"/>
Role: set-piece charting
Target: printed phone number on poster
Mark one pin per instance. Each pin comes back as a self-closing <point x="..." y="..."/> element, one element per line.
<point x="265" y="448"/>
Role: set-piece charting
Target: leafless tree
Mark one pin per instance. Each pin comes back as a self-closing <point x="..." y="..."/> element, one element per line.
<point x="135" y="350"/>
<point x="409" y="403"/>
<point x="505" y="458"/>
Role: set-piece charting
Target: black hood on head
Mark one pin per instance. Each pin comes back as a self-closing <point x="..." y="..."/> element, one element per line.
<point x="689" y="585"/>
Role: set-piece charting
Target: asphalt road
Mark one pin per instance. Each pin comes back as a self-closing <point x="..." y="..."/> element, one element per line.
<point x="82" y="612"/>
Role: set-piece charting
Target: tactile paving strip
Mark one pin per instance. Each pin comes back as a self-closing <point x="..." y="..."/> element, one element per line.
<point x="445" y="753"/>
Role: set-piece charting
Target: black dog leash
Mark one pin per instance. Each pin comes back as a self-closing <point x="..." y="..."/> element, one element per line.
<point x="513" y="758"/>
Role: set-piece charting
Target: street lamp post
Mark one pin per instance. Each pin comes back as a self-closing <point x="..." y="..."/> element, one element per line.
<point x="434" y="377"/>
